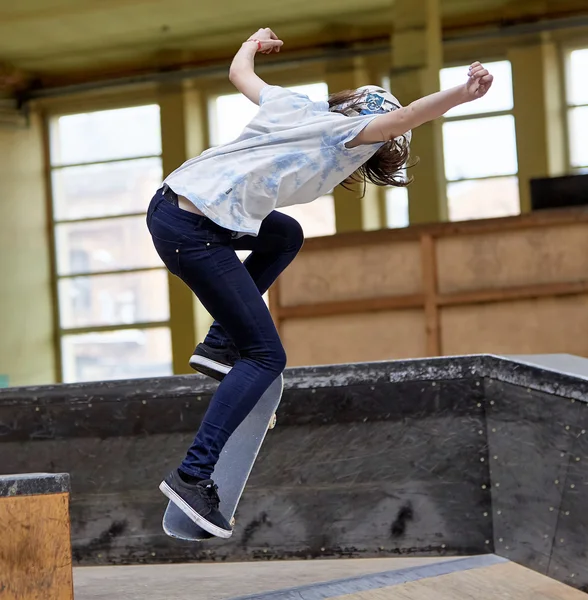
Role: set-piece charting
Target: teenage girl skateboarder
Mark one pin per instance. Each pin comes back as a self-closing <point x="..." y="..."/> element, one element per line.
<point x="292" y="152"/>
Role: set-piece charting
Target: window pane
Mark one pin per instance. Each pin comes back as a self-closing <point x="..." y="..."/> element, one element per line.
<point x="232" y="112"/>
<point x="104" y="245"/>
<point x="317" y="92"/>
<point x="579" y="136"/>
<point x="578" y="84"/>
<point x="316" y="218"/>
<point x="123" y="354"/>
<point x="105" y="189"/>
<point x="397" y="207"/>
<point x="483" y="199"/>
<point x="114" y="299"/>
<point x="480" y="148"/>
<point x="500" y="96"/>
<point x="106" y="135"/>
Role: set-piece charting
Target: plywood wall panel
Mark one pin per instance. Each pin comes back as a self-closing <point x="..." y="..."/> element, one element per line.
<point x="35" y="550"/>
<point x="542" y="326"/>
<point x="513" y="258"/>
<point x="353" y="273"/>
<point x="355" y="338"/>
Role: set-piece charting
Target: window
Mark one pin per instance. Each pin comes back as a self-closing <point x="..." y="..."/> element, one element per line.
<point x="578" y="109"/>
<point x="112" y="289"/>
<point x="396" y="198"/>
<point x="229" y="116"/>
<point x="397" y="206"/>
<point x="480" y="149"/>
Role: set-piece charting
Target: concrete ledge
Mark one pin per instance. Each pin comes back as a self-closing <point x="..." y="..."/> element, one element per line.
<point x="31" y="484"/>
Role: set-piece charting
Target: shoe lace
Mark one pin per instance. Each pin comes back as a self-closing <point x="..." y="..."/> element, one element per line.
<point x="211" y="495"/>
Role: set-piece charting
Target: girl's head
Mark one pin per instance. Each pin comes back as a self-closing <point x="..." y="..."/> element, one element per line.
<point x="386" y="165"/>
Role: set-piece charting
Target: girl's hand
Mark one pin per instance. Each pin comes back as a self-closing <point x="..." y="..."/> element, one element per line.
<point x="479" y="82"/>
<point x="268" y="39"/>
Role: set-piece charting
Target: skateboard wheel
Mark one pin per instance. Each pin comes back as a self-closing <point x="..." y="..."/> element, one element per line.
<point x="232" y="522"/>
<point x="273" y="422"/>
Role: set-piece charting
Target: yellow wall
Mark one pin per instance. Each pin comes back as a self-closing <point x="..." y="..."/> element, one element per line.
<point x="26" y="320"/>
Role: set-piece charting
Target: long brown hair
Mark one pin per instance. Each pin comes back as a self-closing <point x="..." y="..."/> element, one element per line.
<point x="385" y="167"/>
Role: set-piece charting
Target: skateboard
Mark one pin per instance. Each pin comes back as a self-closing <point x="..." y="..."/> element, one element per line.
<point x="233" y="468"/>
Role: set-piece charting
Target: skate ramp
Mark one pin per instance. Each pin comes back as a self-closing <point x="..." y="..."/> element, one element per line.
<point x="443" y="457"/>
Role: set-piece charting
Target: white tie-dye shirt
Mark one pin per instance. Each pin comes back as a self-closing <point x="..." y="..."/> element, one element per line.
<point x="292" y="152"/>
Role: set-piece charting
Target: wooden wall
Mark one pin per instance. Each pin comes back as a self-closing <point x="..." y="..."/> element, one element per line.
<point x="504" y="286"/>
<point x="35" y="548"/>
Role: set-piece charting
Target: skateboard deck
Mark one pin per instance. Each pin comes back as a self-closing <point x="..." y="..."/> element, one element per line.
<point x="233" y="468"/>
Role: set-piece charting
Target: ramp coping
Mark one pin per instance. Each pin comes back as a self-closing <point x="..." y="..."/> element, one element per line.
<point x="30" y="484"/>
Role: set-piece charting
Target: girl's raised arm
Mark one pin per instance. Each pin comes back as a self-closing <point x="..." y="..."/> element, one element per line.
<point x="242" y="72"/>
<point x="396" y="123"/>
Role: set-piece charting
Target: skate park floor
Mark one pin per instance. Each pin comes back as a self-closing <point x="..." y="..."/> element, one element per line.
<point x="213" y="581"/>
<point x="476" y="578"/>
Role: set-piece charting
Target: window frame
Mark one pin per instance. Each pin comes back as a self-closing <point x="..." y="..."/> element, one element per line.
<point x="50" y="117"/>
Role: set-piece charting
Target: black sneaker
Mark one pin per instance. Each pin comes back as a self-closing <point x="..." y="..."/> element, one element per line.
<point x="198" y="501"/>
<point x="214" y="362"/>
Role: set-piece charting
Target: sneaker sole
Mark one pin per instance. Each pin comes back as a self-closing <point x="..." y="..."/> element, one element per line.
<point x="192" y="514"/>
<point x="209" y="367"/>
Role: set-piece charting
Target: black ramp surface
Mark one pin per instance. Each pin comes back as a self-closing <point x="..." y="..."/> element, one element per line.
<point x="569" y="561"/>
<point x="392" y="467"/>
<point x="530" y="440"/>
<point x="359" y="465"/>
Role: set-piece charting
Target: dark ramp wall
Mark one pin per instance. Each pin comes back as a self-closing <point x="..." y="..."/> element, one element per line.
<point x="358" y="465"/>
<point x="442" y="456"/>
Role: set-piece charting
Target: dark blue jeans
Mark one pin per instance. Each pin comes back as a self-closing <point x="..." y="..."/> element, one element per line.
<point x="203" y="255"/>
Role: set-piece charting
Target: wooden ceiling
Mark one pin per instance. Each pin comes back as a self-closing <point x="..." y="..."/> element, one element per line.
<point x="62" y="41"/>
